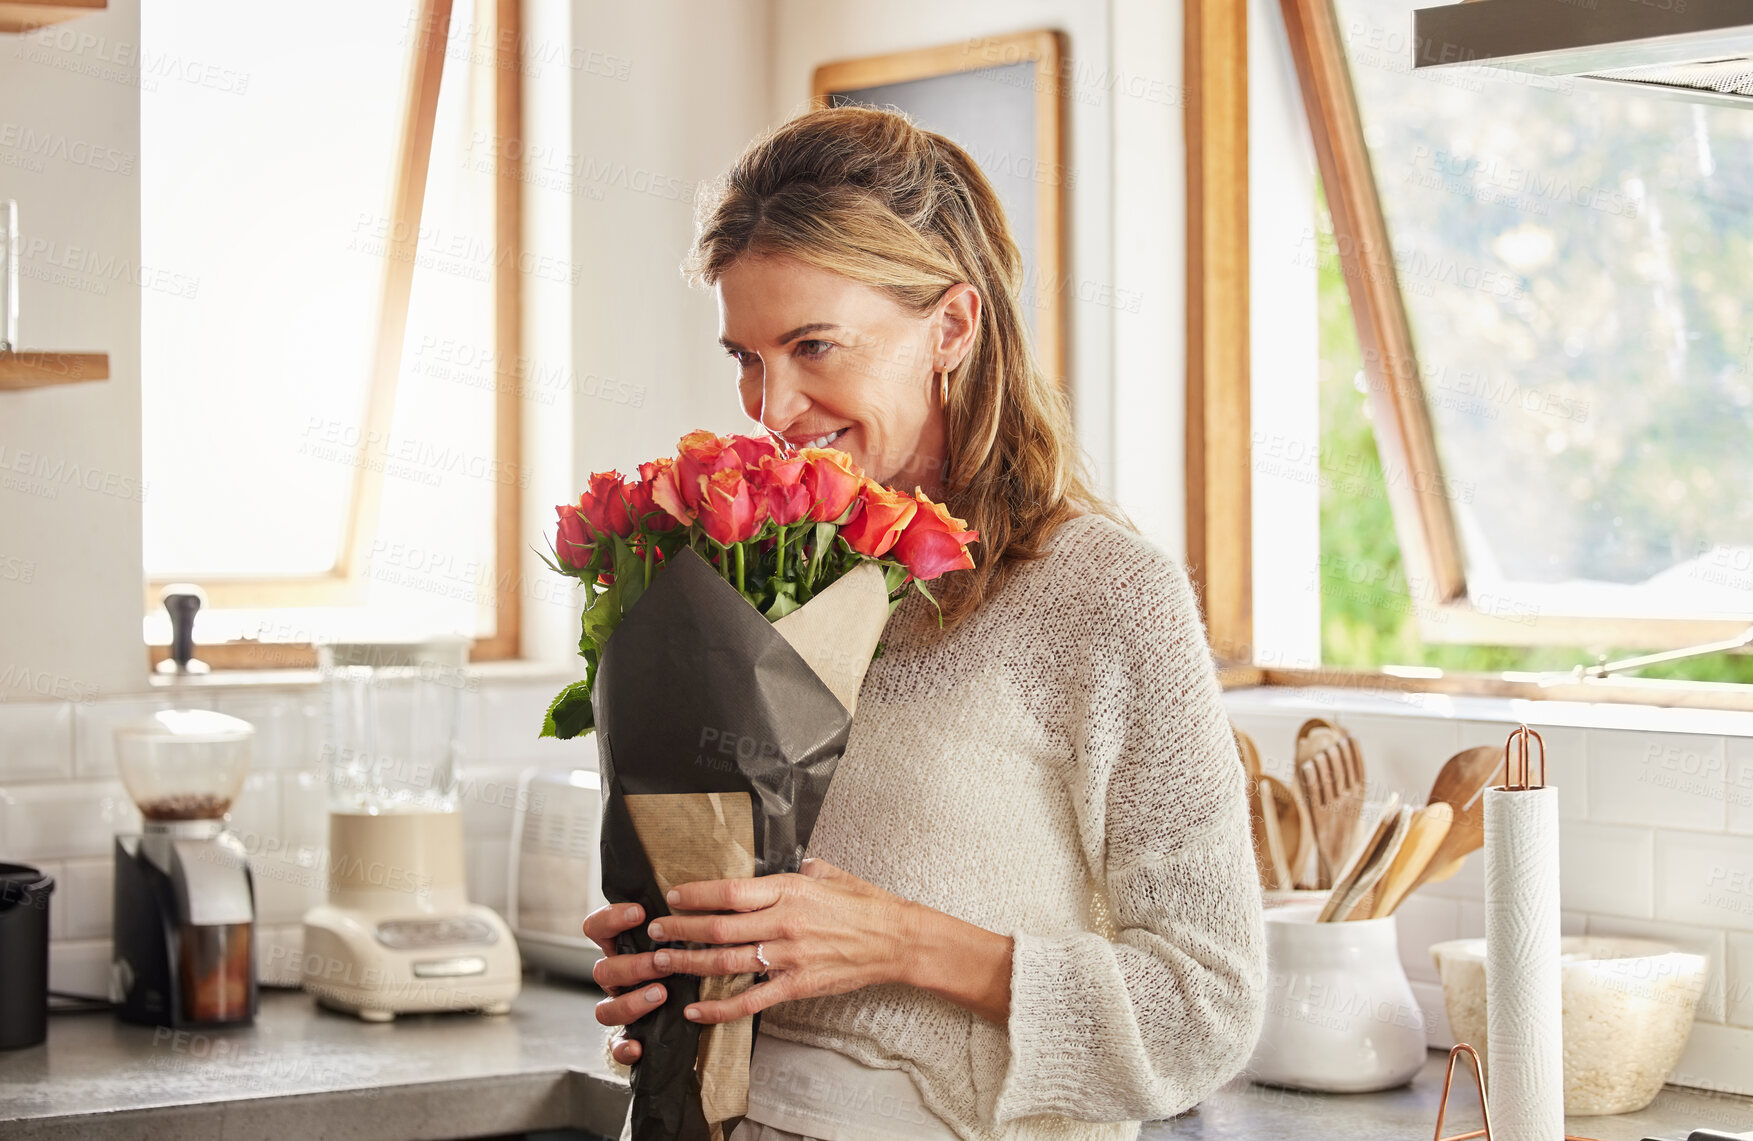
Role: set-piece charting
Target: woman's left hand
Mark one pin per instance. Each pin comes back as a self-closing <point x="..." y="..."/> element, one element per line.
<point x="822" y="930"/>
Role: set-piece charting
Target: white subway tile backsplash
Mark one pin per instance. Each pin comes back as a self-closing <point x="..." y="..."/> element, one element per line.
<point x="1420" y="921"/>
<point x="36" y="740"/>
<point x="1567" y="759"/>
<point x="86" y="895"/>
<point x="279" y="950"/>
<point x="487" y="862"/>
<point x="511" y="726"/>
<point x="1717" y="1058"/>
<point x="489" y="799"/>
<point x="1699" y="940"/>
<point x="255" y="814"/>
<point x="1738" y="980"/>
<point x="304" y="810"/>
<point x="1738" y="783"/>
<point x="1437" y="1034"/>
<point x="1607" y="868"/>
<point x="94" y="725"/>
<point x="1705" y="880"/>
<point x="288" y="884"/>
<point x="80" y="966"/>
<point x="286" y="738"/>
<point x="1664" y="780"/>
<point x="1402" y="754"/>
<point x="74" y="818"/>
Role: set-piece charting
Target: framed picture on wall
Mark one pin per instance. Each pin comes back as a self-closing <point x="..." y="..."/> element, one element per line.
<point x="1001" y="99"/>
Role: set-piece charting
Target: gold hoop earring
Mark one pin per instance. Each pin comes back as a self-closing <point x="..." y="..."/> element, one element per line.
<point x="943" y="387"/>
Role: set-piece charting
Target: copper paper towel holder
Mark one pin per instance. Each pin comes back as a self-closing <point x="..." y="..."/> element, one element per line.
<point x="1518" y="771"/>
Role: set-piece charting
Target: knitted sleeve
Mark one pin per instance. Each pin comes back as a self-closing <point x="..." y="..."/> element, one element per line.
<point x="1143" y="1026"/>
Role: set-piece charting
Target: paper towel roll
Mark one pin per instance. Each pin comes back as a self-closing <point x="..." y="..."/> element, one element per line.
<point x="1524" y="999"/>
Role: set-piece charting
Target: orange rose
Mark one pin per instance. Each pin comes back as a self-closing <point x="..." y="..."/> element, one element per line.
<point x="878" y="520"/>
<point x="934" y="541"/>
<point x="656" y="500"/>
<point x="729" y="513"/>
<point x="833" y="481"/>
<point x="698" y="455"/>
<point x="779" y="490"/>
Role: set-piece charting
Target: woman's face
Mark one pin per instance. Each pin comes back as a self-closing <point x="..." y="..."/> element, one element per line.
<point x="826" y="361"/>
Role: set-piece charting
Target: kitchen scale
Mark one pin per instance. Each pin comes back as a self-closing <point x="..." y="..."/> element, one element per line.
<point x="398" y="934"/>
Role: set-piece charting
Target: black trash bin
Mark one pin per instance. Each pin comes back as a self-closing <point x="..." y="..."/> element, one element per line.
<point x="24" y="955"/>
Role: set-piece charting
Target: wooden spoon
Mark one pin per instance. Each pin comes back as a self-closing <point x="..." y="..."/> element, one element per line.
<point x="1287" y="824"/>
<point x="1461" y="784"/>
<point x="1428" y="827"/>
<point x="1260" y="818"/>
<point x="1372" y="860"/>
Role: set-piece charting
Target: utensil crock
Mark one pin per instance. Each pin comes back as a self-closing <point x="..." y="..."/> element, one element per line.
<point x="1340" y="1015"/>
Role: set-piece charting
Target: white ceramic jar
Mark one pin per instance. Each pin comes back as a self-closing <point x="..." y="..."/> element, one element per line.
<point x="1340" y="1015"/>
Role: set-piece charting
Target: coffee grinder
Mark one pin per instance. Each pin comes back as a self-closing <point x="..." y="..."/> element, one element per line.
<point x="398" y="934"/>
<point x="184" y="912"/>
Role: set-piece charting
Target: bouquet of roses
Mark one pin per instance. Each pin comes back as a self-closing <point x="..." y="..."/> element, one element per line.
<point x="736" y="595"/>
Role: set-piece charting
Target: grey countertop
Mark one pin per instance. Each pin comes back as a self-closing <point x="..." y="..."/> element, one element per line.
<point x="1261" y="1113"/>
<point x="302" y="1072"/>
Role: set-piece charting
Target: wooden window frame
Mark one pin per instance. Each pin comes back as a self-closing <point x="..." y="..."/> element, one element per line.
<point x="1219" y="509"/>
<point x="1046" y="49"/>
<point x="344" y="584"/>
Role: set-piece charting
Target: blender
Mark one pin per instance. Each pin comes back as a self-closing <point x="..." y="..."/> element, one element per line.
<point x="398" y="934"/>
<point x="184" y="911"/>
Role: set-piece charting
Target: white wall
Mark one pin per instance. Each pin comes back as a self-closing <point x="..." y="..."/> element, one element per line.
<point x="70" y="491"/>
<point x="1126" y="361"/>
<point x="694" y="93"/>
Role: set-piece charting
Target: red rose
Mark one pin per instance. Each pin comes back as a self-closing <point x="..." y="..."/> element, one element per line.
<point x="729" y="513"/>
<point x="779" y="489"/>
<point x="572" y="545"/>
<point x="833" y="481"/>
<point x="753" y="449"/>
<point x="699" y="454"/>
<point x="934" y="541"/>
<point x="878" y="520"/>
<point x="651" y="498"/>
<point x="604" y="505"/>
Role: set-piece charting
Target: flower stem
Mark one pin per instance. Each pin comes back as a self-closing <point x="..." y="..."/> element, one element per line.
<point x="779" y="569"/>
<point x="739" y="548"/>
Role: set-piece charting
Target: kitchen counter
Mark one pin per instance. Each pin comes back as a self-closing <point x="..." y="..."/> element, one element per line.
<point x="1242" y="1110"/>
<point x="305" y="1072"/>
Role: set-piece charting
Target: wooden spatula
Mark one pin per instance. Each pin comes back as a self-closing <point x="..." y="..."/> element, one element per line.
<point x="1461" y="784"/>
<point x="1426" y="831"/>
<point x="1372" y="860"/>
<point x="1334" y="799"/>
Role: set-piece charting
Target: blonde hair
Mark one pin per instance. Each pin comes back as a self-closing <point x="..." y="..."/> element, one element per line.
<point x="869" y="195"/>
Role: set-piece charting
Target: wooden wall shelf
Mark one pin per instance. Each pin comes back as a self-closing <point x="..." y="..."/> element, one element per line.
<point x="37" y="370"/>
<point x="26" y="17"/>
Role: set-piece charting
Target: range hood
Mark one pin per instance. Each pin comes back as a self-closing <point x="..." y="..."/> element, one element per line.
<point x="1690" y="49"/>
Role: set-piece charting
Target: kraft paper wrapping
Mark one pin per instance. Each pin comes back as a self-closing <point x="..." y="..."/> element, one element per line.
<point x="1524" y="999"/>
<point x="692" y="836"/>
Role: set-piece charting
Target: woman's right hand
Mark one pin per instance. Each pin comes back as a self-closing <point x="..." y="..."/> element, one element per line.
<point x="620" y="976"/>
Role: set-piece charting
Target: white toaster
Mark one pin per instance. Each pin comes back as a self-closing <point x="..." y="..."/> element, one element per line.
<point x="554" y="872"/>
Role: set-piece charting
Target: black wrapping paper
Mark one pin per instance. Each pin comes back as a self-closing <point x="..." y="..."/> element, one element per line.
<point x="697" y="692"/>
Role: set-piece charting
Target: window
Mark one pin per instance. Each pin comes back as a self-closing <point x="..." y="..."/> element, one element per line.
<point x="330" y="425"/>
<point x="1537" y="365"/>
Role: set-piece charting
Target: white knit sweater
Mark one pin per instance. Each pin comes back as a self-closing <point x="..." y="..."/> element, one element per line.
<point x="1059" y="769"/>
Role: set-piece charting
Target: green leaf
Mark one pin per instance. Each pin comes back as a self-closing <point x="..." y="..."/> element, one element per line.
<point x="629" y="574"/>
<point x="570" y="713"/>
<point x="784" y="601"/>
<point x="600" y="619"/>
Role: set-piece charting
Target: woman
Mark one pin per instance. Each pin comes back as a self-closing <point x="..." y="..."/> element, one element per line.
<point x="1030" y="909"/>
